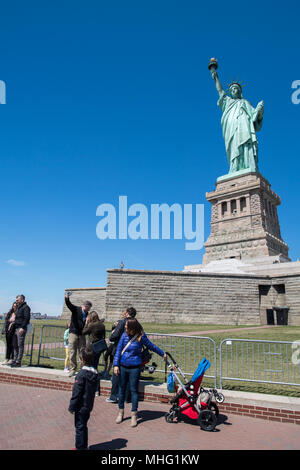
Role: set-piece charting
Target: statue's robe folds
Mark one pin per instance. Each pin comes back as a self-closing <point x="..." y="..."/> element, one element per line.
<point x="240" y="121"/>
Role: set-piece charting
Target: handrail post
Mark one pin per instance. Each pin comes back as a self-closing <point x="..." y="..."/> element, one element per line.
<point x="40" y="345"/>
<point x="32" y="343"/>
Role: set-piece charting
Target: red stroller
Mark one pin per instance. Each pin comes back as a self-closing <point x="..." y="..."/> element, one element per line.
<point x="186" y="399"/>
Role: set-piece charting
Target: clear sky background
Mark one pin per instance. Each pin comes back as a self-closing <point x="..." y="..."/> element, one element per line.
<point x="115" y="98"/>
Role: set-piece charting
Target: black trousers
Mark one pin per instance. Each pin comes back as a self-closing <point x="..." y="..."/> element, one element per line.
<point x="81" y="430"/>
<point x="9" y="343"/>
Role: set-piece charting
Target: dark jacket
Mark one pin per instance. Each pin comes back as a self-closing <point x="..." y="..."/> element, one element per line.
<point x="95" y="329"/>
<point x="117" y="333"/>
<point x="22" y="316"/>
<point x="6" y="323"/>
<point x="132" y="357"/>
<point x="76" y="322"/>
<point x="84" y="390"/>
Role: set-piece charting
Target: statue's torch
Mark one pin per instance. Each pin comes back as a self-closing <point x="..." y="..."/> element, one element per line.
<point x="212" y="66"/>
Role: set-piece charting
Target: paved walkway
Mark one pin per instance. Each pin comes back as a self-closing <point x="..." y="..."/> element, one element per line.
<point x="35" y="418"/>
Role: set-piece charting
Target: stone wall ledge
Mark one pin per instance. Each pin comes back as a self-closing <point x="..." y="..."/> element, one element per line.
<point x="84" y="288"/>
<point x="270" y="407"/>
<point x="187" y="274"/>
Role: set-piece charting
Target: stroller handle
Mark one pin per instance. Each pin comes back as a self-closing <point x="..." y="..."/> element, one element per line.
<point x="171" y="357"/>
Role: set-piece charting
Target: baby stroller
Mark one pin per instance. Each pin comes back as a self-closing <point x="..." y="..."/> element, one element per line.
<point x="187" y="399"/>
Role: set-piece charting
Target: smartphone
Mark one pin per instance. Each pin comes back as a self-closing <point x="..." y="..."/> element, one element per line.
<point x="69" y="293"/>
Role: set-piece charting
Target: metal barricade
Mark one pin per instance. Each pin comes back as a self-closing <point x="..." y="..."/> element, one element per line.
<point x="188" y="351"/>
<point x="242" y="360"/>
<point x="29" y="341"/>
<point x="258" y="361"/>
<point x="51" y="343"/>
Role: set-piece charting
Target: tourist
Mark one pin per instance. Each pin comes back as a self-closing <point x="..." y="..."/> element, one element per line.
<point x="76" y="338"/>
<point x="66" y="345"/>
<point x="115" y="337"/>
<point x="109" y="357"/>
<point x="22" y="319"/>
<point x="94" y="327"/>
<point x="9" y="330"/>
<point x="83" y="395"/>
<point x="127" y="365"/>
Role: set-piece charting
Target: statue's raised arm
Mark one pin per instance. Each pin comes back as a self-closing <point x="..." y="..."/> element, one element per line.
<point x="213" y="65"/>
<point x="240" y="122"/>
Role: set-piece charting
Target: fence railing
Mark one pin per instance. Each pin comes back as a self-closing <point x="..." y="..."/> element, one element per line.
<point x="29" y="341"/>
<point x="191" y="349"/>
<point x="188" y="351"/>
<point x="51" y="344"/>
<point x="260" y="361"/>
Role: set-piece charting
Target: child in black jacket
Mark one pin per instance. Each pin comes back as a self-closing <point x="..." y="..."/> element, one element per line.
<point x="83" y="395"/>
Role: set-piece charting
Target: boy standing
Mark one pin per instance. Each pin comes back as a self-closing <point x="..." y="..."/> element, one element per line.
<point x="83" y="395"/>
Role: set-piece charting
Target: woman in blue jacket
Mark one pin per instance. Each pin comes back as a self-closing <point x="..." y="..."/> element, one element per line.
<point x="127" y="364"/>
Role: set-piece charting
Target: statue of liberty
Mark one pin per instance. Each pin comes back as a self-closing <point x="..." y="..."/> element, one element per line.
<point x="240" y="122"/>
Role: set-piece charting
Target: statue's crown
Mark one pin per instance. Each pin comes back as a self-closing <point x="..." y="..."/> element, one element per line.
<point x="239" y="84"/>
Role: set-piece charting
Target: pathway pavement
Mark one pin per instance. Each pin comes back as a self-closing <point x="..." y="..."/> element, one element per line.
<point x="36" y="418"/>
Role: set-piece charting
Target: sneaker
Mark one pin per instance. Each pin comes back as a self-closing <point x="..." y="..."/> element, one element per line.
<point x="15" y="364"/>
<point x="109" y="400"/>
<point x="5" y="363"/>
<point x="97" y="394"/>
<point x="66" y="369"/>
<point x="71" y="373"/>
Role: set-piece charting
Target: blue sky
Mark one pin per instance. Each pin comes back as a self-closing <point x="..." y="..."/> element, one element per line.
<point x="115" y="98"/>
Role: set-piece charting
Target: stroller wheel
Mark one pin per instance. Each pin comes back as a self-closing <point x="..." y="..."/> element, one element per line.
<point x="207" y="420"/>
<point x="220" y="397"/>
<point x="214" y="407"/>
<point x="169" y="417"/>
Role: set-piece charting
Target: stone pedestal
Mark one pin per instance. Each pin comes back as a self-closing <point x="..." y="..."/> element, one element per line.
<point x="244" y="220"/>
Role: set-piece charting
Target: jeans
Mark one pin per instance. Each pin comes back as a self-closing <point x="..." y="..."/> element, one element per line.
<point x="115" y="384"/>
<point x="114" y="393"/>
<point x="18" y="345"/>
<point x="81" y="430"/>
<point x="129" y="376"/>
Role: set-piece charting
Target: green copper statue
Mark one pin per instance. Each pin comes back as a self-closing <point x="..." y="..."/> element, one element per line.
<point x="240" y="122"/>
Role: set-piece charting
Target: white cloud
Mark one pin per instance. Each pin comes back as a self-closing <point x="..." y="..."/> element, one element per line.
<point x="14" y="262"/>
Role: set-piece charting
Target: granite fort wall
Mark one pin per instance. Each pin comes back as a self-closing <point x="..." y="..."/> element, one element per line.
<point x="96" y="295"/>
<point x="172" y="297"/>
<point x="292" y="296"/>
